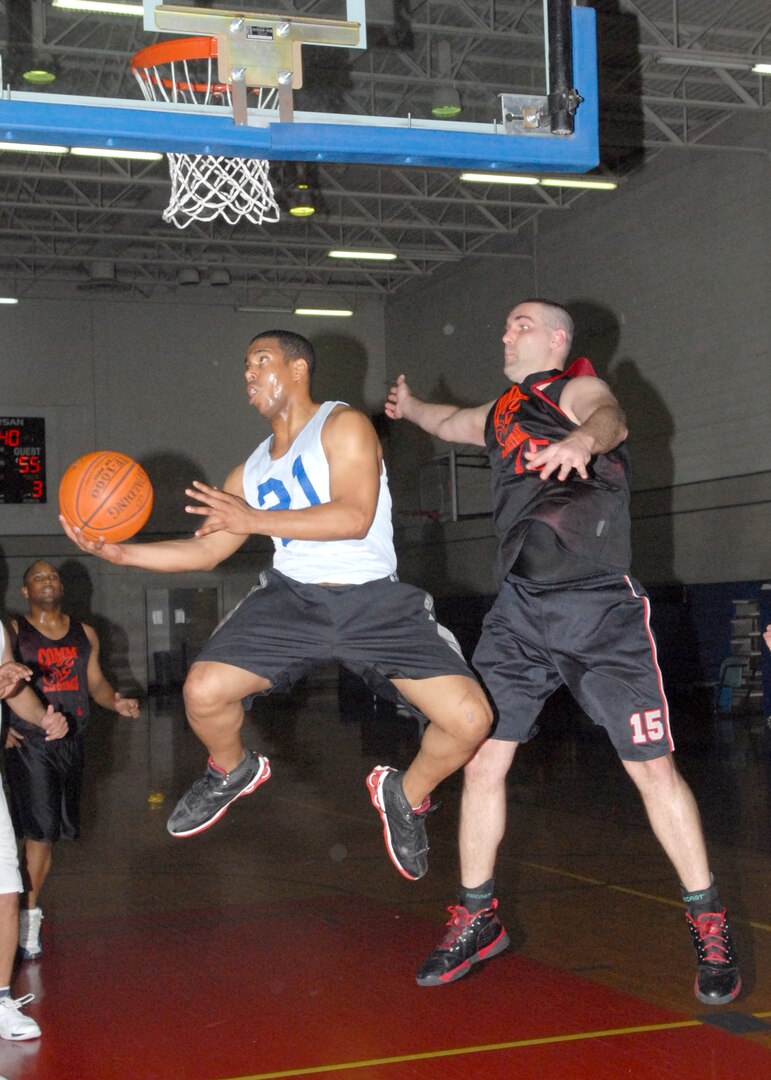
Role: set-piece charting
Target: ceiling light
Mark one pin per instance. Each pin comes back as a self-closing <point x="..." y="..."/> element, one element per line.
<point x="188" y="275"/>
<point x="598" y="185"/>
<point x="219" y="276"/>
<point x="8" y="300"/>
<point x="727" y="63"/>
<point x="34" y="148"/>
<point x="385" y="256"/>
<point x="301" y="202"/>
<point x="266" y="310"/>
<point x="39" y="76"/>
<point x="762" y="69"/>
<point x="108" y="7"/>
<point x="341" y="313"/>
<point x="133" y="155"/>
<point x="498" y="178"/>
<point x="445" y="103"/>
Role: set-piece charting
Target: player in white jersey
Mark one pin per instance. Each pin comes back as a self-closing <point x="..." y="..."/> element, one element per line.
<point x="318" y="487"/>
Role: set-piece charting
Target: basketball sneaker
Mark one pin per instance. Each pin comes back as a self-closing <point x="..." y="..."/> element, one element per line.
<point x="29" y="933"/>
<point x="14" y="1025"/>
<point x="717" y="972"/>
<point x="469" y="938"/>
<point x="211" y="795"/>
<point x="404" y="829"/>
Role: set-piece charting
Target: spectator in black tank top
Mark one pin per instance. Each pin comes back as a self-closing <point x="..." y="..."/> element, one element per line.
<point x="44" y="781"/>
<point x="555" y="441"/>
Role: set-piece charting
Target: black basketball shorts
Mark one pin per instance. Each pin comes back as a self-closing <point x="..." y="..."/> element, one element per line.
<point x="593" y="636"/>
<point x="44" y="783"/>
<point x="380" y="630"/>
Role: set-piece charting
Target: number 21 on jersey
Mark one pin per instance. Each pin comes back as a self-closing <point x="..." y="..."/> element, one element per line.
<point x="282" y="500"/>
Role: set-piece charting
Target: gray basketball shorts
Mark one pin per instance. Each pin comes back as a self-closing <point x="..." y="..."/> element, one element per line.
<point x="595" y="637"/>
<point x="380" y="630"/>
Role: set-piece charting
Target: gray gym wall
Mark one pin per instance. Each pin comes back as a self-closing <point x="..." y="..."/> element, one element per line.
<point x="163" y="382"/>
<point x="668" y="279"/>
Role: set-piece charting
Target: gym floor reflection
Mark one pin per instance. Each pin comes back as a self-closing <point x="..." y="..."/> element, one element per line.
<point x="282" y="942"/>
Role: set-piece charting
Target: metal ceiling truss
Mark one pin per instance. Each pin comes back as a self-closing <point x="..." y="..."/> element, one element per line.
<point x="674" y="75"/>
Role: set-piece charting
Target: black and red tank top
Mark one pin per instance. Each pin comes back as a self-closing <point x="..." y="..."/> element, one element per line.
<point x="589" y="517"/>
<point x="59" y="667"/>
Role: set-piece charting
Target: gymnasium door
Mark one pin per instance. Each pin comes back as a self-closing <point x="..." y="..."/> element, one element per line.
<point x="179" y="621"/>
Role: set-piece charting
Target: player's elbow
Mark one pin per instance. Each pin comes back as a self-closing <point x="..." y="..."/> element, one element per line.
<point x="361" y="526"/>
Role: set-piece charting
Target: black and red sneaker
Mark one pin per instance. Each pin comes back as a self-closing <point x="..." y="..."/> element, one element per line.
<point x="469" y="938"/>
<point x="404" y="829"/>
<point x="717" y="971"/>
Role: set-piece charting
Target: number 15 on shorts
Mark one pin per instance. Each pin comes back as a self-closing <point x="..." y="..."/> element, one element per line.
<point x="646" y="726"/>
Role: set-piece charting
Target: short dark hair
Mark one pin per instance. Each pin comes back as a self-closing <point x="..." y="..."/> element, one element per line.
<point x="561" y="319"/>
<point x="294" y="346"/>
<point x="32" y="566"/>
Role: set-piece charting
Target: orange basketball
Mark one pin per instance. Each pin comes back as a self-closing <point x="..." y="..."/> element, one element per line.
<point x="106" y="494"/>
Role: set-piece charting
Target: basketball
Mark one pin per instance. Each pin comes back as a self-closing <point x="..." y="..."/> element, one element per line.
<point x="106" y="494"/>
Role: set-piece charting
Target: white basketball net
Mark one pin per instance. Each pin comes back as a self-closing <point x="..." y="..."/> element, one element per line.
<point x="205" y="187"/>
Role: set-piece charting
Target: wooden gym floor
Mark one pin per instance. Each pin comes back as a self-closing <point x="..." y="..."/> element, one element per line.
<point x="282" y="943"/>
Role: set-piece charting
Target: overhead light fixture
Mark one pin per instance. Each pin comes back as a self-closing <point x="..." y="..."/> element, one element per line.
<point x="445" y="103"/>
<point x="535" y="181"/>
<point x="301" y="202"/>
<point x="498" y="178"/>
<point x="107" y="7"/>
<point x="762" y="68"/>
<point x="39" y="76"/>
<point x="266" y="310"/>
<point x="340" y="313"/>
<point x="219" y="276"/>
<point x="188" y="275"/>
<point x="597" y="185"/>
<point x="131" y="155"/>
<point x="727" y="63"/>
<point x="8" y="300"/>
<point x="384" y="256"/>
<point x="445" y="99"/>
<point x="33" y="148"/>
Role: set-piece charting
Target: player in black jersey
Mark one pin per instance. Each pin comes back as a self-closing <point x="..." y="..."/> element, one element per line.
<point x="44" y="778"/>
<point x="567" y="613"/>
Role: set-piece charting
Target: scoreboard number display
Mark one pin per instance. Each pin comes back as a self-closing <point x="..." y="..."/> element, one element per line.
<point x="22" y="459"/>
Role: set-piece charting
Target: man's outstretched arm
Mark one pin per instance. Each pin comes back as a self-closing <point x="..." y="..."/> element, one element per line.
<point x="449" y="422"/>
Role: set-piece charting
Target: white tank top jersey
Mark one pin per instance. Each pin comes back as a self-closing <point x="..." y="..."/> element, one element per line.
<point x="300" y="479"/>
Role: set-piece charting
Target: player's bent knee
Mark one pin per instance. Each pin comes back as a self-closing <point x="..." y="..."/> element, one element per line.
<point x="202" y="690"/>
<point x="473" y="718"/>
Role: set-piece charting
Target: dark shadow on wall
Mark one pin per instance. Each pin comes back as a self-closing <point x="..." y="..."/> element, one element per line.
<point x="114" y="650"/>
<point x="170" y="474"/>
<point x="341" y="369"/>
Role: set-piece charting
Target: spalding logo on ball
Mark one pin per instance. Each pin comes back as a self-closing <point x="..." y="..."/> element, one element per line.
<point x="106" y="494"/>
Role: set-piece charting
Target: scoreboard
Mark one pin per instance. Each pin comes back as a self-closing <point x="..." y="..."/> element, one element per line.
<point x="22" y="459"/>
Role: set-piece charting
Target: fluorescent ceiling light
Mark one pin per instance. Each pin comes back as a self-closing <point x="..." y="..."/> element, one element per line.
<point x="8" y="300"/>
<point x="341" y="313"/>
<point x="727" y="63"/>
<point x="762" y="69"/>
<point x="384" y="255"/>
<point x="34" y="148"/>
<point x="599" y="185"/>
<point x="133" y="155"/>
<point x="108" y="7"/>
<point x="498" y="178"/>
<point x="265" y="310"/>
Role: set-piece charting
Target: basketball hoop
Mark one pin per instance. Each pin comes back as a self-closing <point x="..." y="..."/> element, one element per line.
<point x="205" y="187"/>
